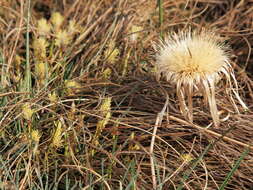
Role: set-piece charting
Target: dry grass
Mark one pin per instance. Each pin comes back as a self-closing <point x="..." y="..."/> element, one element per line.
<point x="86" y="118"/>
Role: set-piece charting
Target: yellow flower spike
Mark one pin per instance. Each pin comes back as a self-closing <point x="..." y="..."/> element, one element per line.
<point x="132" y="136"/>
<point x="57" y="20"/>
<point x="106" y="105"/>
<point x="62" y="38"/>
<point x="71" y="114"/>
<point x="40" y="48"/>
<point x="27" y="112"/>
<point x="35" y="135"/>
<point x="57" y="136"/>
<point x="72" y="87"/>
<point x="17" y="61"/>
<point x="111" y="53"/>
<point x="52" y="97"/>
<point x="41" y="70"/>
<point x="73" y="28"/>
<point x="194" y="62"/>
<point x="105" y="110"/>
<point x="107" y="73"/>
<point x="186" y="157"/>
<point x="43" y="27"/>
<point x="135" y="33"/>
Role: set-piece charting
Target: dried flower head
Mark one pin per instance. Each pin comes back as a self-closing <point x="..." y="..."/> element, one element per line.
<point x="195" y="62"/>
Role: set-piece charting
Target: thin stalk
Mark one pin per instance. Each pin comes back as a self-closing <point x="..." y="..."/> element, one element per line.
<point x="235" y="167"/>
<point x="160" y="5"/>
<point x="28" y="81"/>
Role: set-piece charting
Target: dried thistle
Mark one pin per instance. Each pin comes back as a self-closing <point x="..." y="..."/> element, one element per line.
<point x="195" y="62"/>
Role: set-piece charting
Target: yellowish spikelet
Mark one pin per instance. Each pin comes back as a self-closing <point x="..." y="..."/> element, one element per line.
<point x="35" y="135"/>
<point x="43" y="27"/>
<point x="195" y="62"/>
<point x="105" y="110"/>
<point x="71" y="114"/>
<point x="39" y="45"/>
<point x="107" y="73"/>
<point x="57" y="136"/>
<point x="57" y="20"/>
<point x="111" y="53"/>
<point x="72" y="87"/>
<point x="186" y="157"/>
<point x="106" y="113"/>
<point x="52" y="97"/>
<point x="41" y="70"/>
<point x="62" y="38"/>
<point x="27" y="111"/>
<point x="135" y="32"/>
<point x="73" y="27"/>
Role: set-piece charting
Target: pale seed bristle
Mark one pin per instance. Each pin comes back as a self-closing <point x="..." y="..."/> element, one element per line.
<point x="196" y="61"/>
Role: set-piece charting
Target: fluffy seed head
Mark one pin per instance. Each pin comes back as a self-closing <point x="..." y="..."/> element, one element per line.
<point x="196" y="61"/>
<point x="190" y="56"/>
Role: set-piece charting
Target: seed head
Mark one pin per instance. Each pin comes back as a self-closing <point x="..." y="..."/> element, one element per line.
<point x="196" y="61"/>
<point x="57" y="20"/>
<point x="43" y="27"/>
<point x="62" y="38"/>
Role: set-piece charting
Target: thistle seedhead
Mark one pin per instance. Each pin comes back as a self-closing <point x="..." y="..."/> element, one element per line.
<point x="196" y="61"/>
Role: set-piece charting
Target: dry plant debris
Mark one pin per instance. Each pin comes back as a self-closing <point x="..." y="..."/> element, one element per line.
<point x="80" y="101"/>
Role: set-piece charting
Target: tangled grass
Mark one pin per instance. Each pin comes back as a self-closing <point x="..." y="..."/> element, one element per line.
<point x="81" y="109"/>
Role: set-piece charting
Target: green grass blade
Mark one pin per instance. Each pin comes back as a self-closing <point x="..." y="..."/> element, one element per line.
<point x="235" y="167"/>
<point x="188" y="173"/>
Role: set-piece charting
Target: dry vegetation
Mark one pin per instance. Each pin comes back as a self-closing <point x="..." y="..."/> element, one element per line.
<point x="80" y="101"/>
